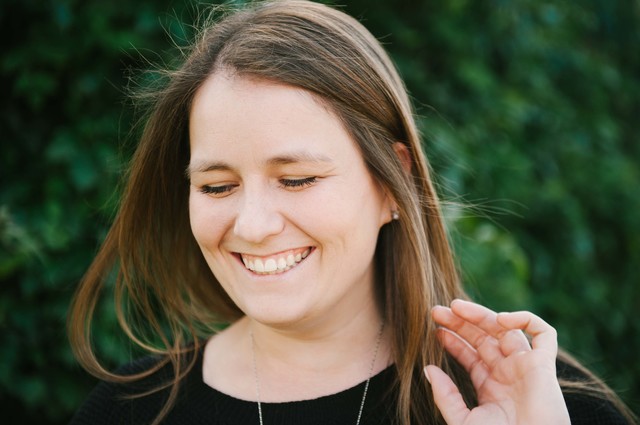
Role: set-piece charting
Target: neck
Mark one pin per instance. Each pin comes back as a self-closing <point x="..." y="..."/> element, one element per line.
<point x="297" y="362"/>
<point x="294" y="365"/>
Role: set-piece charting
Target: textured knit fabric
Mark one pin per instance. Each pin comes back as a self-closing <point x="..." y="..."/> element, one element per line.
<point x="199" y="404"/>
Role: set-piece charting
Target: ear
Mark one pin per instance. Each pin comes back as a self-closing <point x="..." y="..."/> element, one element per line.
<point x="388" y="208"/>
<point x="404" y="156"/>
<point x="402" y="151"/>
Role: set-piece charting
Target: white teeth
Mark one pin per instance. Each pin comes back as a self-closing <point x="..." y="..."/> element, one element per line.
<point x="275" y="265"/>
<point x="259" y="267"/>
<point x="282" y="264"/>
<point x="270" y="265"/>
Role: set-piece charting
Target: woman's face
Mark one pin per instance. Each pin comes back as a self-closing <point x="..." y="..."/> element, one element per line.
<point x="281" y="204"/>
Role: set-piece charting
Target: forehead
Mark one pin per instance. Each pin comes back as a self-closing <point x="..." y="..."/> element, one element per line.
<point x="227" y="85"/>
<point x="233" y="115"/>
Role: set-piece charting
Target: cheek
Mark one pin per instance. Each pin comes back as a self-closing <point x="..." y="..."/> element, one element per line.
<point x="364" y="204"/>
<point x="207" y="224"/>
<point x="347" y="214"/>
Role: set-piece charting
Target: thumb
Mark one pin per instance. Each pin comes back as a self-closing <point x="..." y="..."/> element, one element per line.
<point x="447" y="396"/>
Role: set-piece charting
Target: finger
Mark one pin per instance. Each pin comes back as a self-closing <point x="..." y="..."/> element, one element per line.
<point x="544" y="336"/>
<point x="513" y="341"/>
<point x="464" y="354"/>
<point x="447" y="396"/>
<point x="445" y="316"/>
<point x="478" y="315"/>
<point x="487" y="320"/>
<point x="487" y="346"/>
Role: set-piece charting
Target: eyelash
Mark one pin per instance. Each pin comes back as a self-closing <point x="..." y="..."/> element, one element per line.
<point x="286" y="183"/>
<point x="216" y="190"/>
<point x="307" y="181"/>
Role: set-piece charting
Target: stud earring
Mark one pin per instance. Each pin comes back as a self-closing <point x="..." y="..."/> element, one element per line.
<point x="395" y="215"/>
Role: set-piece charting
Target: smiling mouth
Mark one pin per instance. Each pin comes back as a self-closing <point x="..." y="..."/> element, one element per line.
<point x="276" y="263"/>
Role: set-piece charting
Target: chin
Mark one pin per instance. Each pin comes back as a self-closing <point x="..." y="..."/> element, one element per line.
<point x="276" y="316"/>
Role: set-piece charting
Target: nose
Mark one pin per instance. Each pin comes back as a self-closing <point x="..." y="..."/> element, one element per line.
<point x="257" y="217"/>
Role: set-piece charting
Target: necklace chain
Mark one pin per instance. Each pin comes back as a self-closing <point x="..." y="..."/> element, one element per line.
<point x="366" y="385"/>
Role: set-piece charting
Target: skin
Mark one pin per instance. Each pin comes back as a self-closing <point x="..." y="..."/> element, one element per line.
<point x="515" y="381"/>
<point x="273" y="172"/>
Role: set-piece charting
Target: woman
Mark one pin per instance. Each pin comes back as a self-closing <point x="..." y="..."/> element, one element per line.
<point x="279" y="187"/>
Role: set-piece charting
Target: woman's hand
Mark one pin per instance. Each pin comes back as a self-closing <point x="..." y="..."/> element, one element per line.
<point x="515" y="382"/>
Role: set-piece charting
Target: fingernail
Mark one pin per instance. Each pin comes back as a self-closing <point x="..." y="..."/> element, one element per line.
<point x="426" y="373"/>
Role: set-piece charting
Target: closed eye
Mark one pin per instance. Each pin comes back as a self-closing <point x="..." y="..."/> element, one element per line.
<point x="217" y="190"/>
<point x="298" y="183"/>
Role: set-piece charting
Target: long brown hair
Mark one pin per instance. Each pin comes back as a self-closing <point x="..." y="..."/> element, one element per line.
<point x="161" y="278"/>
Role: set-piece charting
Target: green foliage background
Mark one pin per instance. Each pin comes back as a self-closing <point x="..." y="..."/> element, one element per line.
<point x="530" y="110"/>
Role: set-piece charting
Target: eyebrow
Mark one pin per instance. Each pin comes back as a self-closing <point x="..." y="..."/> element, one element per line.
<point x="298" y="157"/>
<point x="285" y="159"/>
<point x="206" y="166"/>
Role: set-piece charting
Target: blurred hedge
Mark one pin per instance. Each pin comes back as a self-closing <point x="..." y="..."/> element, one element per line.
<point x="529" y="110"/>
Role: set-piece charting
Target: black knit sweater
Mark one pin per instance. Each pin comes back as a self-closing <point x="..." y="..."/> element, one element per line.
<point x="200" y="404"/>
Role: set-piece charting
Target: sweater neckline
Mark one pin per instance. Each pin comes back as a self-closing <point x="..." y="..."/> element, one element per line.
<point x="339" y="408"/>
<point x="385" y="375"/>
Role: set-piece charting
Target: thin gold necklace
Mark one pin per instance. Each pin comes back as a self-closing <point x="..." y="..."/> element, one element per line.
<point x="366" y="385"/>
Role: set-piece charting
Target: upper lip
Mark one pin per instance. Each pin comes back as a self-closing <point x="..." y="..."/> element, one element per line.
<point x="273" y="253"/>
